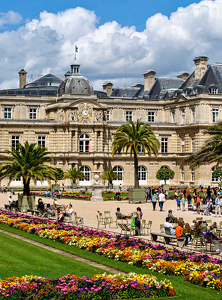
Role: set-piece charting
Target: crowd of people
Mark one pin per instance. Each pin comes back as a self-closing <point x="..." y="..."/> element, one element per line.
<point x="210" y="197"/>
<point x="59" y="210"/>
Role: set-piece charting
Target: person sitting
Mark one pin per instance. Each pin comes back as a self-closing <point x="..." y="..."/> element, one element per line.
<point x="10" y="201"/>
<point x="179" y="232"/>
<point x="55" y="203"/>
<point x="119" y="215"/>
<point x="41" y="206"/>
<point x="169" y="229"/>
<point x="117" y="196"/>
<point x="49" y="210"/>
<point x="60" y="215"/>
<point x="69" y="211"/>
<point x="187" y="230"/>
<point x="171" y="217"/>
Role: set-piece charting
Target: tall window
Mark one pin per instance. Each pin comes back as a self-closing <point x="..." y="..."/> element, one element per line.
<point x="15" y="141"/>
<point x="193" y="144"/>
<point x="142" y="173"/>
<point x="41" y="141"/>
<point x="183" y="116"/>
<point x="182" y="145"/>
<point x="140" y="150"/>
<point x="7" y="113"/>
<point x="84" y="143"/>
<point x="215" y="114"/>
<point x="213" y="178"/>
<point x="129" y="115"/>
<point x="107" y="115"/>
<point x="193" y="115"/>
<point x="119" y="171"/>
<point x="182" y="173"/>
<point x="192" y="174"/>
<point x="32" y="113"/>
<point x="151" y="116"/>
<point x="173" y="116"/>
<point x="164" y="145"/>
<point x="86" y="170"/>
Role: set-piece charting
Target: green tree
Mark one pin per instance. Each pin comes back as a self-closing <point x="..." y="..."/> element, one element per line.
<point x="59" y="175"/>
<point x="165" y="174"/>
<point x="217" y="174"/>
<point x="29" y="162"/>
<point x="74" y="174"/>
<point x="131" y="137"/>
<point x="211" y="151"/>
<point x="109" y="175"/>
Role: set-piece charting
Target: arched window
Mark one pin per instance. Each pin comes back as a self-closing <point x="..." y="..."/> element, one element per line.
<point x="142" y="173"/>
<point x="164" y="167"/>
<point x="84" y="143"/>
<point x="213" y="178"/>
<point x="86" y="170"/>
<point x="119" y="171"/>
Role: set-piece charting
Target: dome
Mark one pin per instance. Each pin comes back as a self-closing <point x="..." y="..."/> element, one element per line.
<point x="75" y="83"/>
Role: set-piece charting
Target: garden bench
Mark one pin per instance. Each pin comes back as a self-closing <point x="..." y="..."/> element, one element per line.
<point x="167" y="238"/>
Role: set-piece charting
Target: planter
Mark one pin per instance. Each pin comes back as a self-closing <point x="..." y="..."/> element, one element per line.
<point x="136" y="195"/>
<point x="55" y="187"/>
<point x="165" y="187"/>
<point x="26" y="202"/>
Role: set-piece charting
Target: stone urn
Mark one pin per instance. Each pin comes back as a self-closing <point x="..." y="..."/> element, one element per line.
<point x="96" y="188"/>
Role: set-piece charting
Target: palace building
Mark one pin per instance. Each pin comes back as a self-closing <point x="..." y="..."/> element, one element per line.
<point x="76" y="123"/>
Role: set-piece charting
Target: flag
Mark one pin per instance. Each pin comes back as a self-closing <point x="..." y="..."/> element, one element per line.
<point x="76" y="49"/>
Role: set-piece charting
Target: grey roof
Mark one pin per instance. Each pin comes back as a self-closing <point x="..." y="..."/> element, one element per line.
<point x="48" y="80"/>
<point x="76" y="84"/>
<point x="211" y="79"/>
<point x="163" y="88"/>
<point x="31" y="91"/>
<point x="128" y="92"/>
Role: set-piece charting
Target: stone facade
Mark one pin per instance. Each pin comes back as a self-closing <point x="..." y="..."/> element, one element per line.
<point x="78" y="128"/>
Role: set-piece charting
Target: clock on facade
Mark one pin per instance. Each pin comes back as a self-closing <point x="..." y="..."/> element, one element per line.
<point x="85" y="112"/>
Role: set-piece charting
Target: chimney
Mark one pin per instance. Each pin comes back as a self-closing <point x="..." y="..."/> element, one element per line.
<point x="137" y="85"/>
<point x="108" y="87"/>
<point x="149" y="79"/>
<point x="200" y="66"/>
<point x="183" y="75"/>
<point x="22" y="78"/>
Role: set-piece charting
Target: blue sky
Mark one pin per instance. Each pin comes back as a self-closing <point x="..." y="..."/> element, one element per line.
<point x="125" y="12"/>
<point x="116" y="39"/>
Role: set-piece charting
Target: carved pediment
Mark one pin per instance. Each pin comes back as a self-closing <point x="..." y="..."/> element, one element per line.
<point x="181" y="98"/>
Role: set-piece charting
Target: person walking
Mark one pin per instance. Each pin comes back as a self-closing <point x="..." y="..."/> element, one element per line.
<point x="161" y="200"/>
<point x="217" y="206"/>
<point x="154" y="200"/>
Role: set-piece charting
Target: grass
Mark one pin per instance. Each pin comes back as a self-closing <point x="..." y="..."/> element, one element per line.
<point x="20" y="258"/>
<point x="185" y="290"/>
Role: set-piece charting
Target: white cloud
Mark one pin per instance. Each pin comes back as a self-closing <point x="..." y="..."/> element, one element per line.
<point x="10" y="17"/>
<point x="106" y="52"/>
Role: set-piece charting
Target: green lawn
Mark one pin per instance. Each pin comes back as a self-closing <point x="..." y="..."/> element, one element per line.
<point x="185" y="290"/>
<point x="21" y="258"/>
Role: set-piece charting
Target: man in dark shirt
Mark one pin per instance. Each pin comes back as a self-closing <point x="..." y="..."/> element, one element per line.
<point x="208" y="193"/>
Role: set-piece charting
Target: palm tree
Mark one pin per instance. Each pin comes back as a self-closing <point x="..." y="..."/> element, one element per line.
<point x="74" y="174"/>
<point x="28" y="162"/>
<point x="109" y="175"/>
<point x="131" y="137"/>
<point x="211" y="151"/>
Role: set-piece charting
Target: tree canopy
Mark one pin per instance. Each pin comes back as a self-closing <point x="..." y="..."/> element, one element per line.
<point x="130" y="137"/>
<point x="29" y="162"/>
<point x="165" y="174"/>
<point x="74" y="174"/>
<point x="211" y="151"/>
<point x="109" y="175"/>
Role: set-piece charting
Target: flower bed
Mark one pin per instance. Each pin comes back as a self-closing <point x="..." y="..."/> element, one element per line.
<point x="130" y="250"/>
<point x="208" y="279"/>
<point x="100" y="286"/>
